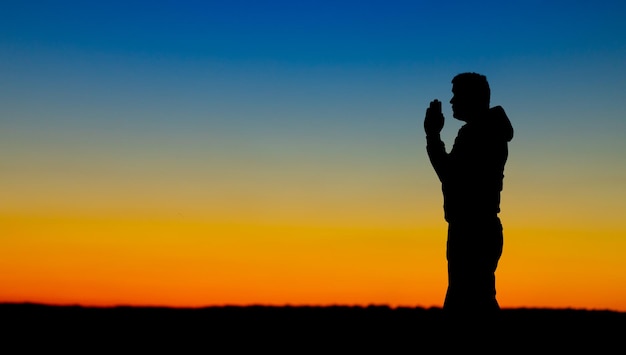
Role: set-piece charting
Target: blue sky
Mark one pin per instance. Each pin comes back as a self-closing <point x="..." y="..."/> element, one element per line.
<point x="280" y="72"/>
<point x="297" y="79"/>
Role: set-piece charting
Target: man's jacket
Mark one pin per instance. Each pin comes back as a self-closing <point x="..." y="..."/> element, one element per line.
<point x="471" y="174"/>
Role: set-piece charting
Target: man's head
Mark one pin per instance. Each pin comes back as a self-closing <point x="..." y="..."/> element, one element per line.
<point x="471" y="95"/>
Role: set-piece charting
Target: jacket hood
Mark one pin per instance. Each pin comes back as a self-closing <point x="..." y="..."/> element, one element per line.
<point x="500" y="123"/>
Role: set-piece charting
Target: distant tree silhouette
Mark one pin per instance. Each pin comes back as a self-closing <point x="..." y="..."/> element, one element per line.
<point x="471" y="176"/>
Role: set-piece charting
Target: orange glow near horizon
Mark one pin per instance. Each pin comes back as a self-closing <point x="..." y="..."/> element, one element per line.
<point x="182" y="263"/>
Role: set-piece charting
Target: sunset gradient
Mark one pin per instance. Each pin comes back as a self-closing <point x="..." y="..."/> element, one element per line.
<point x="241" y="152"/>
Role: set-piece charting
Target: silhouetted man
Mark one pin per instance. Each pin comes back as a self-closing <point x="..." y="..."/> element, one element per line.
<point x="471" y="177"/>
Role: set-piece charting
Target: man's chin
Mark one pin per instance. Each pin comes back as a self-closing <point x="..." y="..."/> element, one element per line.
<point x="455" y="115"/>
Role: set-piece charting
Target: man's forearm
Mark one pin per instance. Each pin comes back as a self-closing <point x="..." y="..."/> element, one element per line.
<point x="436" y="150"/>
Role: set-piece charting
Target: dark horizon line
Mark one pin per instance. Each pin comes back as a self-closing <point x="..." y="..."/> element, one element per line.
<point x="288" y="306"/>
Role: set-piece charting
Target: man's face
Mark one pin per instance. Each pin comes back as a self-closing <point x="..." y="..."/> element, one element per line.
<point x="465" y="104"/>
<point x="460" y="104"/>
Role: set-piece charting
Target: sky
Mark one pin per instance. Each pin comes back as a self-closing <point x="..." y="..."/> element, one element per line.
<point x="200" y="153"/>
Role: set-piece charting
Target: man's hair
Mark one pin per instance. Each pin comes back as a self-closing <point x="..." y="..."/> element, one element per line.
<point x="474" y="84"/>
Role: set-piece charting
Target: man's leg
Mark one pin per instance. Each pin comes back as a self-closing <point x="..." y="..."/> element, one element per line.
<point x="473" y="252"/>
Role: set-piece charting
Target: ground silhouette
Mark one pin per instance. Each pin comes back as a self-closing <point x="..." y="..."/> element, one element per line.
<point x="332" y="329"/>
